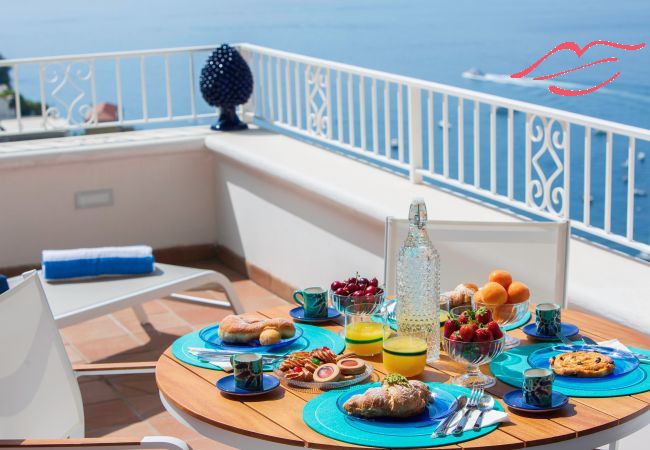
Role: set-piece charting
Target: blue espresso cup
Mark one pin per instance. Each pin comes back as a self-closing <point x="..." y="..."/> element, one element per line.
<point x="313" y="300"/>
<point x="538" y="387"/>
<point x="548" y="319"/>
<point x="248" y="370"/>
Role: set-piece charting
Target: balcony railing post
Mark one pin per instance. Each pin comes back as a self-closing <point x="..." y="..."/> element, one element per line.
<point x="415" y="133"/>
<point x="248" y="108"/>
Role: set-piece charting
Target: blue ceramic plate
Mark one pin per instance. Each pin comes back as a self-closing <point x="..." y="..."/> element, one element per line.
<point x="210" y="335"/>
<point x="515" y="400"/>
<point x="623" y="362"/>
<point x="567" y="330"/>
<point x="441" y="407"/>
<point x="227" y="386"/>
<point x="298" y="313"/>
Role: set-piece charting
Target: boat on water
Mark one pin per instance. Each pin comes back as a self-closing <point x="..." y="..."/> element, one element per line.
<point x="473" y="74"/>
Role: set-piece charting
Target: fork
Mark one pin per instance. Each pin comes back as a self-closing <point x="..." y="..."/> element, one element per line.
<point x="472" y="405"/>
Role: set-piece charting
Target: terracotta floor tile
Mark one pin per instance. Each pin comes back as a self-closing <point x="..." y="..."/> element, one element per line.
<point x="73" y="355"/>
<point x="135" y="429"/>
<point x="202" y="314"/>
<point x="167" y="425"/>
<point x="248" y="290"/>
<point x="99" y="328"/>
<point x="134" y="385"/>
<point x="107" y="414"/>
<point x="145" y="406"/>
<point x="208" y="444"/>
<point x="104" y="349"/>
<point x="96" y="391"/>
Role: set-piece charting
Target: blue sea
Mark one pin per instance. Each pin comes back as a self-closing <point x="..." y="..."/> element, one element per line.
<point x="435" y="41"/>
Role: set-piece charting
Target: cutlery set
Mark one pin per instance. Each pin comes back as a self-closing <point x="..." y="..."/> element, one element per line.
<point x="477" y="400"/>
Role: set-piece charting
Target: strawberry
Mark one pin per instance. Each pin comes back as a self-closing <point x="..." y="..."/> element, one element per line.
<point x="466" y="316"/>
<point x="466" y="333"/>
<point x="475" y="325"/>
<point x="482" y="335"/>
<point x="451" y="325"/>
<point x="455" y="337"/>
<point x="483" y="315"/>
<point x="495" y="329"/>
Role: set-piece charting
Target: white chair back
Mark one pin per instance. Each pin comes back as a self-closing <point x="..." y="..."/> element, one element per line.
<point x="39" y="394"/>
<point x="534" y="252"/>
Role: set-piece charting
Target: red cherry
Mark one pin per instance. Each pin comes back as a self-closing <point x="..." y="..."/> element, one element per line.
<point x="352" y="280"/>
<point x="372" y="290"/>
<point x="336" y="285"/>
<point x="374" y="282"/>
<point x="364" y="281"/>
<point x="380" y="290"/>
<point x="352" y="287"/>
<point x="358" y="294"/>
<point x="342" y="292"/>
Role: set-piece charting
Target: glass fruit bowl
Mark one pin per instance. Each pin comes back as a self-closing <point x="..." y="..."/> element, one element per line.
<point x="340" y="302"/>
<point x="505" y="315"/>
<point x="474" y="354"/>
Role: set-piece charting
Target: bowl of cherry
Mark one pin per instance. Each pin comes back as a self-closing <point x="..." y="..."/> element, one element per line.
<point x="355" y="289"/>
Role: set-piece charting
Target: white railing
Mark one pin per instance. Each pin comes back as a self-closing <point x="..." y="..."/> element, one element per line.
<point x="513" y="154"/>
<point x="455" y="138"/>
<point x="67" y="89"/>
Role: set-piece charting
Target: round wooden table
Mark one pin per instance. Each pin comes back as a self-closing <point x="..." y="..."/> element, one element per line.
<point x="274" y="421"/>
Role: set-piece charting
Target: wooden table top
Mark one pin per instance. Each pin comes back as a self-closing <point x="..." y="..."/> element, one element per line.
<point x="277" y="416"/>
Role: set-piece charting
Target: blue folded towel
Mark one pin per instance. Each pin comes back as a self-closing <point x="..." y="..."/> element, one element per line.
<point x="95" y="262"/>
<point x="4" y="286"/>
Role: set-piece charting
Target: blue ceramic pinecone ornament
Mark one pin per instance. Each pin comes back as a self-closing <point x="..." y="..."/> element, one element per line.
<point x="226" y="81"/>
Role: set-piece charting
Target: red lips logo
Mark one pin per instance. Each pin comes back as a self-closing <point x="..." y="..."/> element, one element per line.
<point x="575" y="48"/>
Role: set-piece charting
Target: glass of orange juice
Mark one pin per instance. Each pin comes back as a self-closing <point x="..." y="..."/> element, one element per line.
<point x="402" y="353"/>
<point x="364" y="329"/>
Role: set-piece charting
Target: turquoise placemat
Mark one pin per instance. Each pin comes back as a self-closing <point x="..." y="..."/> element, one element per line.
<point x="524" y="320"/>
<point x="323" y="416"/>
<point x="510" y="365"/>
<point x="312" y="337"/>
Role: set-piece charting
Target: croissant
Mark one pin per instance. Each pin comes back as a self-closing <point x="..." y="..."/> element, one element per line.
<point x="396" y="397"/>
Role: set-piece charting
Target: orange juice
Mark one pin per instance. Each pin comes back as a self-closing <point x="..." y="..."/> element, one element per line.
<point x="364" y="338"/>
<point x="406" y="355"/>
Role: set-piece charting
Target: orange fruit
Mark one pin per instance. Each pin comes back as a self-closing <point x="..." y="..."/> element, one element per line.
<point x="502" y="277"/>
<point x="518" y="292"/>
<point x="492" y="294"/>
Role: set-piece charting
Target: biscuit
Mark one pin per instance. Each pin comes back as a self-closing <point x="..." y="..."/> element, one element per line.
<point x="582" y="364"/>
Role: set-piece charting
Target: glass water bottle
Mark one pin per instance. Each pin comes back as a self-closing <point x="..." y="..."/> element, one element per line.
<point x="418" y="283"/>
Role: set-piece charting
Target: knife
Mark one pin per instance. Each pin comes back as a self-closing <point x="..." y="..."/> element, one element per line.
<point x="441" y="431"/>
<point x="197" y="351"/>
<point x="642" y="358"/>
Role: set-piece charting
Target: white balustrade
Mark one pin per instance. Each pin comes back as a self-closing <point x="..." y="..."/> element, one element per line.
<point x="335" y="113"/>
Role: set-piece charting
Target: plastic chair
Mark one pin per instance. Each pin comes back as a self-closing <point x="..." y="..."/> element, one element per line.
<point x="41" y="403"/>
<point x="534" y="252"/>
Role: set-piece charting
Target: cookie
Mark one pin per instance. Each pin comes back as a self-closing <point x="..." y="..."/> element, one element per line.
<point x="582" y="364"/>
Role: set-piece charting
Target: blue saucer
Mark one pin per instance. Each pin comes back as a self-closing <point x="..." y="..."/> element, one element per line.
<point x="298" y="313"/>
<point x="567" y="330"/>
<point x="515" y="400"/>
<point x="227" y="386"/>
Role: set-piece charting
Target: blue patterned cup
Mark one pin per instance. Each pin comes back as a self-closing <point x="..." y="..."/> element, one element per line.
<point x="313" y="300"/>
<point x="538" y="387"/>
<point x="548" y="319"/>
<point x="248" y="370"/>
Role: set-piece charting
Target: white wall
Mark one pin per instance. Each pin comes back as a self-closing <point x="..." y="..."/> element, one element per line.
<point x="304" y="240"/>
<point x="162" y="199"/>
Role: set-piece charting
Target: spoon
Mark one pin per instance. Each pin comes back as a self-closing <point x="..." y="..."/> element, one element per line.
<point x="485" y="404"/>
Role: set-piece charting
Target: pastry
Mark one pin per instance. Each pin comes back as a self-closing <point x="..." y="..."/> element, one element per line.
<point x="246" y="327"/>
<point x="461" y="295"/>
<point x="270" y="336"/>
<point x="351" y="366"/>
<point x="582" y="364"/>
<point x="327" y="373"/>
<point x="396" y="397"/>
